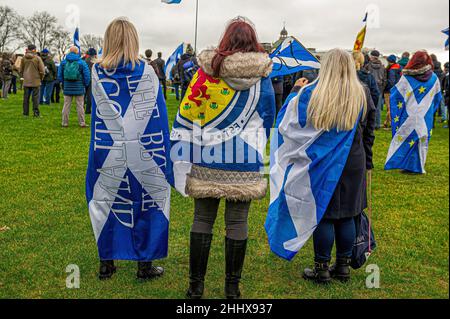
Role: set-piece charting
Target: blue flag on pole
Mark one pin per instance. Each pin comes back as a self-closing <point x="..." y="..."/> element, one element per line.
<point x="127" y="187"/>
<point x="306" y="166"/>
<point x="173" y="60"/>
<point x="446" y="42"/>
<point x="171" y="1"/>
<point x="413" y="105"/>
<point x="76" y="39"/>
<point x="291" y="57"/>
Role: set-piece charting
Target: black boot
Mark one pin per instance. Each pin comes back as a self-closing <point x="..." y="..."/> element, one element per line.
<point x="320" y="274"/>
<point x="146" y="271"/>
<point x="198" y="264"/>
<point x="341" y="269"/>
<point x="107" y="269"/>
<point x="234" y="257"/>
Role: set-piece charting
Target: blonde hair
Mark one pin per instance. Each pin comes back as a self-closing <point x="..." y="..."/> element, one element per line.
<point x="359" y="59"/>
<point x="121" y="44"/>
<point x="339" y="97"/>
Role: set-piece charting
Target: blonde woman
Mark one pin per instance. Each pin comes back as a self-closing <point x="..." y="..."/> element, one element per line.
<point x="319" y="167"/>
<point x="126" y="186"/>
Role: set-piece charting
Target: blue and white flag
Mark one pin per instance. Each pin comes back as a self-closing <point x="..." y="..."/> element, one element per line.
<point x="291" y="57"/>
<point x="76" y="39"/>
<point x="220" y="128"/>
<point x="413" y="105"/>
<point x="173" y="60"/>
<point x="171" y="1"/>
<point x="306" y="166"/>
<point x="446" y="42"/>
<point x="126" y="187"/>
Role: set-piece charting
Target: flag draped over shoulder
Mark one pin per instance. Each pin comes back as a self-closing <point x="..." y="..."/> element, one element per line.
<point x="413" y="105"/>
<point x="306" y="166"/>
<point x="126" y="187"/>
<point x="220" y="128"/>
<point x="291" y="57"/>
<point x="173" y="60"/>
<point x="361" y="37"/>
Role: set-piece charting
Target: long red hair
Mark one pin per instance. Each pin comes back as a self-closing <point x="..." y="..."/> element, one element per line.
<point x="240" y="36"/>
<point x="419" y="60"/>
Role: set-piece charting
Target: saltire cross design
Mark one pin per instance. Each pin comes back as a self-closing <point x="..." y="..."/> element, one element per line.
<point x="126" y="187"/>
<point x="446" y="42"/>
<point x="173" y="60"/>
<point x="413" y="105"/>
<point x="306" y="166"/>
<point x="76" y="40"/>
<point x="291" y="57"/>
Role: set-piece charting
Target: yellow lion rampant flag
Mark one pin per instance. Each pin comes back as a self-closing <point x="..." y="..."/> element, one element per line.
<point x="359" y="44"/>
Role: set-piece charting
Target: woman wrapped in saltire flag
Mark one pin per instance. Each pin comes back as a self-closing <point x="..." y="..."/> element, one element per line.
<point x="414" y="101"/>
<point x="319" y="159"/>
<point x="127" y="189"/>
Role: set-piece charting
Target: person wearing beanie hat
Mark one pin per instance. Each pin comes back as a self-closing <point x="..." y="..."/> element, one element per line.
<point x="414" y="102"/>
<point x="49" y="78"/>
<point x="378" y="71"/>
<point x="394" y="72"/>
<point x="404" y="60"/>
<point x="90" y="61"/>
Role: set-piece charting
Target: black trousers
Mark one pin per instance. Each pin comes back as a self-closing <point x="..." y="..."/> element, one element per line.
<point x="56" y="93"/>
<point x="236" y="217"/>
<point x="32" y="92"/>
<point x="164" y="86"/>
<point x="88" y="99"/>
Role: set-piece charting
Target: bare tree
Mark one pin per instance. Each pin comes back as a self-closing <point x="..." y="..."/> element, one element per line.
<point x="10" y="29"/>
<point x="91" y="41"/>
<point x="61" y="41"/>
<point x="38" y="29"/>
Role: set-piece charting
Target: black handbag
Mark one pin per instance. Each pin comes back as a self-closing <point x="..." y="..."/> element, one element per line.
<point x="365" y="242"/>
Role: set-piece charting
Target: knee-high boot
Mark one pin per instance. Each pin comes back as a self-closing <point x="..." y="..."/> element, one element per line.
<point x="235" y="255"/>
<point x="198" y="264"/>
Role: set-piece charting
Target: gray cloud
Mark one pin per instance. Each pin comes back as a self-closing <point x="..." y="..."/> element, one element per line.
<point x="323" y="24"/>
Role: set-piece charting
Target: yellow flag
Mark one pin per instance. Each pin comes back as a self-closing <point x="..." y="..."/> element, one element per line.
<point x="359" y="44"/>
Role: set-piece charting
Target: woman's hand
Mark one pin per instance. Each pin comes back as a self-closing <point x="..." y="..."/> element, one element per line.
<point x="302" y="82"/>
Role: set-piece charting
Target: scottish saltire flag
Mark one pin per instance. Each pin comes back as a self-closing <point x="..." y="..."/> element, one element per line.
<point x="291" y="57"/>
<point x="76" y="39"/>
<point x="220" y="128"/>
<point x="413" y="105"/>
<point x="306" y="166"/>
<point x="173" y="60"/>
<point x="171" y="1"/>
<point x="446" y="42"/>
<point x="126" y="186"/>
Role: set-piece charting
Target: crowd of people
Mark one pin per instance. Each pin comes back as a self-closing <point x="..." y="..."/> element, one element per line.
<point x="364" y="83"/>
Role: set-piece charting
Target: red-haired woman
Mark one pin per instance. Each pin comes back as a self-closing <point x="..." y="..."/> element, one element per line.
<point x="231" y="94"/>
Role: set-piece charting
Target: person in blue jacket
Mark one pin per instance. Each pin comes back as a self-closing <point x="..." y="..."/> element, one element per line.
<point x="75" y="77"/>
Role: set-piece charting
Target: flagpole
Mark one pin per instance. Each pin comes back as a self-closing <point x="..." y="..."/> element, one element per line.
<point x="196" y="27"/>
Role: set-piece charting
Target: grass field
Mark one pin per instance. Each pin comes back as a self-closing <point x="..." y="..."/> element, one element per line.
<point x="42" y="173"/>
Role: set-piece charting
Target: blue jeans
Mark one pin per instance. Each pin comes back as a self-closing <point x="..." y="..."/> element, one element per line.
<point x="176" y="87"/>
<point x="46" y="92"/>
<point x="344" y="230"/>
<point x="379" y="109"/>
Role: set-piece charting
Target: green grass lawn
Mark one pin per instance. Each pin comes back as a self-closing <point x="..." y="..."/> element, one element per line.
<point x="42" y="201"/>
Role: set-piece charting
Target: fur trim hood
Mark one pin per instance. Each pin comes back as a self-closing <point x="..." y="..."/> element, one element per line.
<point x="420" y="71"/>
<point x="241" y="70"/>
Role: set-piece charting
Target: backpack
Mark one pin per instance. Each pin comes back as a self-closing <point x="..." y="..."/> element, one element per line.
<point x="190" y="68"/>
<point x="72" y="71"/>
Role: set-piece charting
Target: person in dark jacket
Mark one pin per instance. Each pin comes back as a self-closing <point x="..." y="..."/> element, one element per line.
<point x="75" y="77"/>
<point x="278" y="88"/>
<point x="376" y="68"/>
<point x="6" y="75"/>
<point x="176" y="82"/>
<point x="90" y="58"/>
<point x="394" y="73"/>
<point x="161" y="65"/>
<point x="185" y="60"/>
<point x="440" y="74"/>
<point x="49" y="78"/>
<point x="365" y="77"/>
<point x="446" y="91"/>
<point x="152" y="63"/>
<point x="349" y="198"/>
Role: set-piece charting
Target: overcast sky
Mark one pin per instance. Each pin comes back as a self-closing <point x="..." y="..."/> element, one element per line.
<point x="322" y="24"/>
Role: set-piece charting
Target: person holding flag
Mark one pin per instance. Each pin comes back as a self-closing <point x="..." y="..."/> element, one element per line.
<point x="127" y="186"/>
<point x="414" y="101"/>
<point x="319" y="159"/>
<point x="230" y="103"/>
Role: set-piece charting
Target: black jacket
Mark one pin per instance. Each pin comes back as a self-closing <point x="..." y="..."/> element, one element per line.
<point x="350" y="197"/>
<point x="368" y="79"/>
